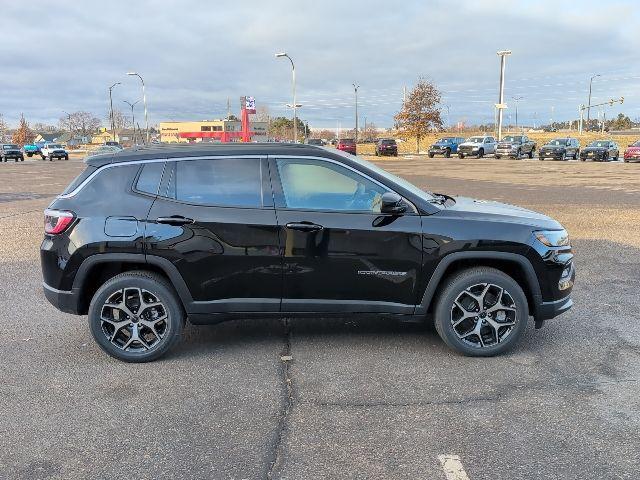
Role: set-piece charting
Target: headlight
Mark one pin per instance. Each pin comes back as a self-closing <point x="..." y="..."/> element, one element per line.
<point x="553" y="238"/>
<point x="475" y="148"/>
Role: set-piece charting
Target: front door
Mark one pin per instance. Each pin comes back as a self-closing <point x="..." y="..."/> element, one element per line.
<point x="214" y="219"/>
<point x="340" y="253"/>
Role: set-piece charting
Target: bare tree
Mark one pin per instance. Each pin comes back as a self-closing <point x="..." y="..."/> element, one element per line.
<point x="82" y="123"/>
<point x="120" y="120"/>
<point x="420" y="113"/>
<point x="262" y="114"/>
<point x="44" y="127"/>
<point x="3" y="127"/>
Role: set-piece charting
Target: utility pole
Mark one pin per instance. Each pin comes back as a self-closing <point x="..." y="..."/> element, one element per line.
<point x="589" y="105"/>
<point x="113" y="122"/>
<point x="552" y="107"/>
<point x="355" y="89"/>
<point x="133" y="118"/>
<point x="144" y="101"/>
<point x="228" y="108"/>
<point x="581" y="111"/>
<point x="500" y="106"/>
<point x="293" y="105"/>
<point x="517" y="99"/>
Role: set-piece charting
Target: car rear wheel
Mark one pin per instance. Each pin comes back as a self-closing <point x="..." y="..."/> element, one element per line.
<point x="136" y="316"/>
<point x="481" y="312"/>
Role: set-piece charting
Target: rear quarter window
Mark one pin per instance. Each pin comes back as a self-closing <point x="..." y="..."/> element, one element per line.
<point x="150" y="177"/>
<point x="79" y="179"/>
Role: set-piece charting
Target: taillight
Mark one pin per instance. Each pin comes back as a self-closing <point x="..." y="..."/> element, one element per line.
<point x="57" y="221"/>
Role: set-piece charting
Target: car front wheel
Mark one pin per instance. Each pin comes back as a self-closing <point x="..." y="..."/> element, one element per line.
<point x="481" y="312"/>
<point x="136" y="316"/>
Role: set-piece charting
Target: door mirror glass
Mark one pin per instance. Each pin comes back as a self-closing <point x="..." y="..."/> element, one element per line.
<point x="392" y="203"/>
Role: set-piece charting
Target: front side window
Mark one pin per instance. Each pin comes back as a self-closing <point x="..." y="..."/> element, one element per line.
<point x="320" y="185"/>
<point x="223" y="182"/>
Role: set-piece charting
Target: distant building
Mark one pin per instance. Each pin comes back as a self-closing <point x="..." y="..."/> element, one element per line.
<point x="47" y="137"/>
<point x="210" y="131"/>
<point x="72" y="139"/>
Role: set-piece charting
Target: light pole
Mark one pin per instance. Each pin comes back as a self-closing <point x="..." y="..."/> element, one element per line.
<point x="144" y="101"/>
<point x="517" y="99"/>
<point x="355" y="89"/>
<point x="448" y="119"/>
<point x="589" y="104"/>
<point x="133" y="117"/>
<point x="113" y="123"/>
<point x="294" y="105"/>
<point x="500" y="106"/>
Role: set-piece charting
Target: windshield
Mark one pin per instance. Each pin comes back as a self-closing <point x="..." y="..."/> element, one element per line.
<point x="636" y="144"/>
<point x="476" y="140"/>
<point x="559" y="142"/>
<point x="54" y="145"/>
<point x="512" y="138"/>
<point x="10" y="147"/>
<point x="388" y="142"/>
<point x="383" y="173"/>
<point x="599" y="144"/>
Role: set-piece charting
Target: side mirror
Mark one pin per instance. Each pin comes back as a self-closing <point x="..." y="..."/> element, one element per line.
<point x="392" y="203"/>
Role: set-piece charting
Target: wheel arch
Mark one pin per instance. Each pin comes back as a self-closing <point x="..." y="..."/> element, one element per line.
<point x="515" y="265"/>
<point x="99" y="268"/>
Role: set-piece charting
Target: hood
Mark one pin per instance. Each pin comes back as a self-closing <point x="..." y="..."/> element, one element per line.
<point x="553" y="147"/>
<point x="470" y="144"/>
<point x="594" y="149"/>
<point x="486" y="210"/>
<point x="506" y="142"/>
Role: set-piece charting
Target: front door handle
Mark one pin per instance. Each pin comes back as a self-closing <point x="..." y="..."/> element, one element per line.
<point x="304" y="226"/>
<point x="174" y="220"/>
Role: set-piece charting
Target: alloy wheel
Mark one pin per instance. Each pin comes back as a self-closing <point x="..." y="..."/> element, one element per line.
<point x="483" y="315"/>
<point x="134" y="320"/>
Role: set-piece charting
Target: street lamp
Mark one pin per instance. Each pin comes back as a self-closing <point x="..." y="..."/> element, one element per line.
<point x="355" y="89"/>
<point x="589" y="104"/>
<point x="294" y="104"/>
<point x="517" y="99"/>
<point x="133" y="116"/>
<point x="144" y="101"/>
<point x="113" y="123"/>
<point x="500" y="105"/>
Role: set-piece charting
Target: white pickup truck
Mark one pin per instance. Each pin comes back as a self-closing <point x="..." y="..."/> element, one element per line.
<point x="53" y="150"/>
<point x="477" y="146"/>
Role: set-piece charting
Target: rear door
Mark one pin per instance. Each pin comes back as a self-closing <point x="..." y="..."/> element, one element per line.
<point x="214" y="219"/>
<point x="340" y="253"/>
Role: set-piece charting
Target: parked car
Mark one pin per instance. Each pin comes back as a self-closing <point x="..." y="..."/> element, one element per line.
<point x="515" y="146"/>
<point x="11" y="150"/>
<point x="386" y="146"/>
<point x="315" y="141"/>
<point x="477" y="146"/>
<point x="32" y="149"/>
<point x="632" y="152"/>
<point x="347" y="145"/>
<point x="53" y="150"/>
<point x="560" y="149"/>
<point x="209" y="232"/>
<point x="601" y="150"/>
<point x="113" y="143"/>
<point x="445" y="146"/>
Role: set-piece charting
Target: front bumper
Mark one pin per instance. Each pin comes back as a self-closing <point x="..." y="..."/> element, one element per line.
<point x="507" y="152"/>
<point x="632" y="158"/>
<point x="596" y="156"/>
<point x="64" y="300"/>
<point x="467" y="151"/>
<point x="549" y="310"/>
<point x="553" y="154"/>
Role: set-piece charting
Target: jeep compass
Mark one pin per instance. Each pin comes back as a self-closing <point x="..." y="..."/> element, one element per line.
<point x="145" y="239"/>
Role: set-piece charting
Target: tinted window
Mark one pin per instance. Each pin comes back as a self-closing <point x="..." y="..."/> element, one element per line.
<point x="318" y="185"/>
<point x="228" y="182"/>
<point x="149" y="179"/>
<point x="79" y="179"/>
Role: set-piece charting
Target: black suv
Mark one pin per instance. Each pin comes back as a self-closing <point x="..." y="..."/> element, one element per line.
<point x="11" y="150"/>
<point x="386" y="146"/>
<point x="560" y="149"/>
<point x="146" y="238"/>
<point x="601" y="150"/>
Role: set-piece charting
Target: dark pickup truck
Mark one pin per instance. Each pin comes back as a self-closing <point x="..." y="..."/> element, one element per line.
<point x="515" y="146"/>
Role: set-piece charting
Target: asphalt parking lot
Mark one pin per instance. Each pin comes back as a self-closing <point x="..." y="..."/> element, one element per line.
<point x="358" y="399"/>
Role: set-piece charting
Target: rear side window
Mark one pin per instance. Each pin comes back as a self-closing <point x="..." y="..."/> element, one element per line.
<point x="223" y="182"/>
<point x="149" y="178"/>
<point x="79" y="179"/>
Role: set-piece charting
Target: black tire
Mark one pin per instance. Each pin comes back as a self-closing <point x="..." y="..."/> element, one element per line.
<point x="531" y="153"/>
<point x="66" y="157"/>
<point x="576" y="155"/>
<point x="461" y="155"/>
<point x="451" y="290"/>
<point x="29" y="155"/>
<point x="22" y="158"/>
<point x="481" y="153"/>
<point x="447" y="153"/>
<point x="43" y="157"/>
<point x="497" y="156"/>
<point x="162" y="291"/>
<point x="431" y="155"/>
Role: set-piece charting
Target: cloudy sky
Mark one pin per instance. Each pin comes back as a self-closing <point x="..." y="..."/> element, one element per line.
<point x="62" y="56"/>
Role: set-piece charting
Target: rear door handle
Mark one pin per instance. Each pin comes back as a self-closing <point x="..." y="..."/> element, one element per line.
<point x="304" y="226"/>
<point x="174" y="220"/>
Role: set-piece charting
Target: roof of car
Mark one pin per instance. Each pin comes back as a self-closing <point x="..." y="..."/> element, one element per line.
<point x="202" y="150"/>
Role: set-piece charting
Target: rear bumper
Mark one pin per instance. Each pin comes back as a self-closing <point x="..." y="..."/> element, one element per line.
<point x="64" y="300"/>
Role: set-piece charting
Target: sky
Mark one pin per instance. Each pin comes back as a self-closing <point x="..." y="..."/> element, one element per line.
<point x="62" y="56"/>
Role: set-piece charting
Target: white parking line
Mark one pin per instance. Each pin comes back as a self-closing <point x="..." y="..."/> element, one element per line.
<point x="452" y="467"/>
